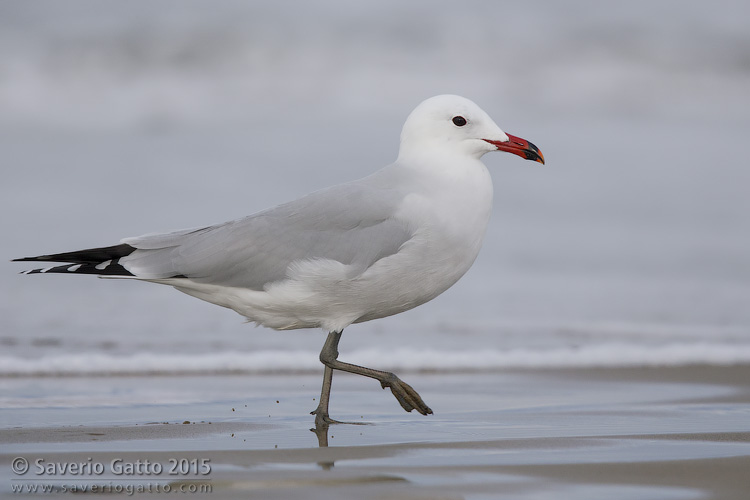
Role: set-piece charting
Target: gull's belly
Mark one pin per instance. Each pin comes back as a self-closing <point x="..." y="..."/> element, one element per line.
<point x="422" y="270"/>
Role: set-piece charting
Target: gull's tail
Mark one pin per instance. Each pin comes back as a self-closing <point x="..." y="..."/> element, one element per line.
<point x="102" y="261"/>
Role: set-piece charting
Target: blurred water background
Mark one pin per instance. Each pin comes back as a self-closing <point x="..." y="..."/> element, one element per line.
<point x="630" y="247"/>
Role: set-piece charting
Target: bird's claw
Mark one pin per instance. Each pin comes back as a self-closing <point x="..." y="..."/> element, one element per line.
<point x="322" y="418"/>
<point x="407" y="397"/>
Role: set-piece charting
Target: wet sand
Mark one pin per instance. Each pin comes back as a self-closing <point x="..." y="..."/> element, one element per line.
<point x="597" y="433"/>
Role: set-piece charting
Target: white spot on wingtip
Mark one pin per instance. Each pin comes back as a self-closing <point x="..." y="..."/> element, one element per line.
<point x="104" y="265"/>
<point x="74" y="268"/>
<point x="45" y="269"/>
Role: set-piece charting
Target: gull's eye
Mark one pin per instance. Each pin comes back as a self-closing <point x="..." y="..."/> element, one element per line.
<point x="459" y="121"/>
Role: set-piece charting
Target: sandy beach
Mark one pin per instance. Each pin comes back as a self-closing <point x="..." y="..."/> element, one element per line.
<point x="597" y="433"/>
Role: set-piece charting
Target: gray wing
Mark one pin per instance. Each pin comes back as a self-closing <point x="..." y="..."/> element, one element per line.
<point x="351" y="223"/>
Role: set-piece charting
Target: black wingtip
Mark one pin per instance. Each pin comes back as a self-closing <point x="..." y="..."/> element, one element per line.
<point x="103" y="261"/>
<point x="109" y="268"/>
<point x="88" y="256"/>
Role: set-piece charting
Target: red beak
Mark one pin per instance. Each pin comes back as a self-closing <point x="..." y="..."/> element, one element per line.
<point x="520" y="147"/>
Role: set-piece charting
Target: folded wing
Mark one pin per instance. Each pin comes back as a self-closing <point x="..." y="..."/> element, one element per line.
<point x="354" y="226"/>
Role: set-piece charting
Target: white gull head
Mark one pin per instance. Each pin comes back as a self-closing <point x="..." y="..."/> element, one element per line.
<point x="454" y="125"/>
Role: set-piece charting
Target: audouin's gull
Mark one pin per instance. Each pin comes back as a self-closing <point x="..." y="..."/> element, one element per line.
<point x="353" y="252"/>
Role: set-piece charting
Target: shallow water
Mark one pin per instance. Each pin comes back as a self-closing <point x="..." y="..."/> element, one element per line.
<point x="522" y="434"/>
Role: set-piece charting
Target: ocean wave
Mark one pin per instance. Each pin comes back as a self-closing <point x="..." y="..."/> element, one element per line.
<point x="401" y="360"/>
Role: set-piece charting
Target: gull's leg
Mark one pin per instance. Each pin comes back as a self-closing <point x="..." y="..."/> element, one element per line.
<point x="321" y="412"/>
<point x="322" y="420"/>
<point x="407" y="397"/>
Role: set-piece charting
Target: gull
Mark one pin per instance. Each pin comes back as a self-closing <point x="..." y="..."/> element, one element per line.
<point x="350" y="253"/>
